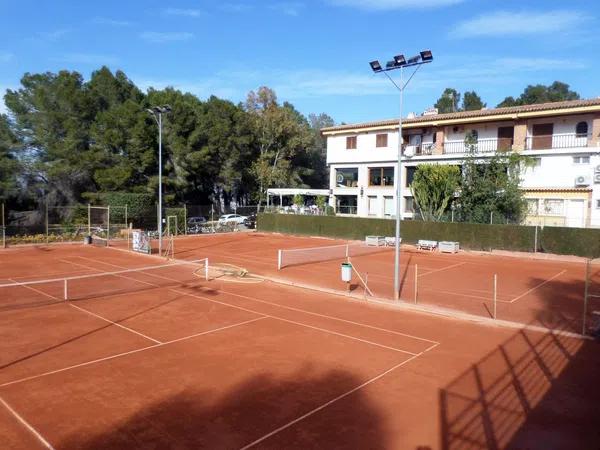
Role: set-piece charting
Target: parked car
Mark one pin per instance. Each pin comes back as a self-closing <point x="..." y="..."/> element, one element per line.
<point x="196" y="221"/>
<point x="236" y="218"/>
<point x="250" y="221"/>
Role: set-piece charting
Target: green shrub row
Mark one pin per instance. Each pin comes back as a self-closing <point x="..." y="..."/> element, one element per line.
<point x="566" y="241"/>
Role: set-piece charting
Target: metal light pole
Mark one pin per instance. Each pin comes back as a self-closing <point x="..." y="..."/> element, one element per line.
<point x="400" y="62"/>
<point x="157" y="112"/>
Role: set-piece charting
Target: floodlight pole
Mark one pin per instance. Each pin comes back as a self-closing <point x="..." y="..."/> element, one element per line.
<point x="157" y="113"/>
<point x="400" y="64"/>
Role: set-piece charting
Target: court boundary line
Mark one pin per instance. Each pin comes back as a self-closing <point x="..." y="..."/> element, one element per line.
<point x="27" y="425"/>
<point x="130" y="352"/>
<point x="287" y="307"/>
<point x="324" y="330"/>
<point x="332" y="401"/>
<point x="115" y="323"/>
<point x="538" y="286"/>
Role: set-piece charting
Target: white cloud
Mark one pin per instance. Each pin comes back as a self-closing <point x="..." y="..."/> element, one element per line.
<point x="183" y="12"/>
<point x="288" y="8"/>
<point x="236" y="7"/>
<point x="5" y="57"/>
<point x="87" y="58"/>
<point x="112" y="22"/>
<point x="53" y="35"/>
<point x="386" y="5"/>
<point x="506" y="23"/>
<point x="162" y="37"/>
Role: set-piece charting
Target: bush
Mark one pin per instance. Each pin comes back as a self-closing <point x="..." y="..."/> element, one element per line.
<point x="573" y="241"/>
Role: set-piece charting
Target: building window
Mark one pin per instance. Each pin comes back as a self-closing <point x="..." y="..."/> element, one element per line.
<point x="410" y="175"/>
<point x="581" y="159"/>
<point x="389" y="206"/>
<point x="381" y="140"/>
<point x="553" y="207"/>
<point x="381" y="176"/>
<point x="581" y="129"/>
<point x="346" y="177"/>
<point x="409" y="205"/>
<point x="351" y="143"/>
<point x="346" y="204"/>
<point x="532" y="206"/>
<point x="373" y="205"/>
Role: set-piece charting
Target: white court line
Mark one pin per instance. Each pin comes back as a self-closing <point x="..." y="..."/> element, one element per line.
<point x="26" y="424"/>
<point x="285" y="307"/>
<point x="118" y="355"/>
<point x="330" y="402"/>
<point x="34" y="289"/>
<point x="444" y="268"/>
<point x="538" y="286"/>
<point x="115" y="323"/>
<point x="324" y="330"/>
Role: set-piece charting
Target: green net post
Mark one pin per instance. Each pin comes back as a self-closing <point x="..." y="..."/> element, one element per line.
<point x="108" y="226"/>
<point x="3" y="226"/>
<point x="46" y="220"/>
<point x="185" y="219"/>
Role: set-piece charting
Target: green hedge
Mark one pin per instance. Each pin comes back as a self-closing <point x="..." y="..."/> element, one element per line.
<point x="573" y="241"/>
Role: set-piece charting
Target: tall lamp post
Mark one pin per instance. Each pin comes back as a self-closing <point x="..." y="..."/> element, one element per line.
<point x="400" y="62"/>
<point x="157" y="112"/>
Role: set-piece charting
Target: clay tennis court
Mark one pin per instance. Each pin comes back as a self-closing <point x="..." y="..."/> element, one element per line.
<point x="163" y="358"/>
<point x="549" y="293"/>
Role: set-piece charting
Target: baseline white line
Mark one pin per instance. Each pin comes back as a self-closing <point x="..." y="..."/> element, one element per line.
<point x="118" y="355"/>
<point x="27" y="425"/>
<point x="328" y="317"/>
<point x="35" y="290"/>
<point x="444" y="268"/>
<point x="538" y="286"/>
<point x="115" y="323"/>
<point x="330" y="402"/>
<point x="324" y="330"/>
<point x="282" y="306"/>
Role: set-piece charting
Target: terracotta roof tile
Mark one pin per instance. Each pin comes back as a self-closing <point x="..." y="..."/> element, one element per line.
<point x="472" y="114"/>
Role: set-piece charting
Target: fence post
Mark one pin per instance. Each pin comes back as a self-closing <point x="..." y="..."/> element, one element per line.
<point x="89" y="219"/>
<point x="108" y="227"/>
<point x="3" y="228"/>
<point x="416" y="281"/>
<point x="491" y="217"/>
<point x="535" y="240"/>
<point x="279" y="259"/>
<point x="585" y="295"/>
<point x="495" y="294"/>
<point x="185" y="219"/>
<point x="47" y="236"/>
<point x="126" y="217"/>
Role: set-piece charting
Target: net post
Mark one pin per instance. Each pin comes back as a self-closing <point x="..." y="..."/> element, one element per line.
<point x="66" y="290"/>
<point x="347" y="251"/>
<point x="206" y="270"/>
<point x="585" y="295"/>
<point x="495" y="294"/>
<point x="416" y="281"/>
<point x="89" y="219"/>
<point x="279" y="259"/>
<point x="185" y="219"/>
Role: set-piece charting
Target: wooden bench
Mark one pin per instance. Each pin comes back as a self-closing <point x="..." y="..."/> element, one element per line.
<point x="424" y="244"/>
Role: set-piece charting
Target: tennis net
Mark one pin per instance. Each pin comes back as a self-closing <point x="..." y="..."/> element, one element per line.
<point x="16" y="294"/>
<point x="298" y="256"/>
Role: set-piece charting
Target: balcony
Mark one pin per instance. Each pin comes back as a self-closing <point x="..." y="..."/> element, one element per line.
<point x="418" y="150"/>
<point x="556" y="141"/>
<point x="490" y="145"/>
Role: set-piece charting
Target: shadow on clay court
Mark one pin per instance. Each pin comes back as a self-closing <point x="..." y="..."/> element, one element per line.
<point x="256" y="406"/>
<point x="535" y="390"/>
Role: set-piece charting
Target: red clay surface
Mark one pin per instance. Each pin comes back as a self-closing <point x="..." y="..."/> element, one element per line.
<point x="164" y="359"/>
<point x="545" y="292"/>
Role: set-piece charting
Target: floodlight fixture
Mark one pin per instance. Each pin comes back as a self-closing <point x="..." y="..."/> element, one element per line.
<point x="413" y="60"/>
<point x="375" y="66"/>
<point x="400" y="60"/>
<point x="426" y="56"/>
<point x="390" y="65"/>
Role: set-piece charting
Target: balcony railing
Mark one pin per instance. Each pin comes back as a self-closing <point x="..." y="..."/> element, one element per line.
<point x="551" y="141"/>
<point x="346" y="209"/>
<point x="489" y="145"/>
<point x="418" y="150"/>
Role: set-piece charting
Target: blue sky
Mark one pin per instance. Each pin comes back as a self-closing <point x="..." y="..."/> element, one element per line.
<point x="314" y="53"/>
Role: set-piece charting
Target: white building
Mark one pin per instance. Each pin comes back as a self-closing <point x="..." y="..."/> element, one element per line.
<point x="564" y="138"/>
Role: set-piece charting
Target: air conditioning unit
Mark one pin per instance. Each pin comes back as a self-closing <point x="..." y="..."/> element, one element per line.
<point x="597" y="178"/>
<point x="410" y="150"/>
<point x="583" y="180"/>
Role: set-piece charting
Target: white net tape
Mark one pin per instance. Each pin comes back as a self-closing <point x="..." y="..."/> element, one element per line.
<point x="294" y="257"/>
